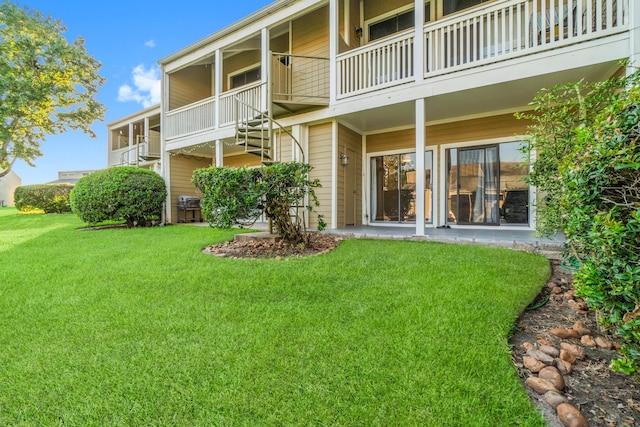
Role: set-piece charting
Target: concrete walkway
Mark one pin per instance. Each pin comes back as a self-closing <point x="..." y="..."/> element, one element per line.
<point x="517" y="239"/>
<point x="494" y="237"/>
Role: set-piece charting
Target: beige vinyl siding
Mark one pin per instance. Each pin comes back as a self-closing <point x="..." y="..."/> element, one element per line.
<point x="373" y="9"/>
<point x="320" y="157"/>
<point x="310" y="37"/>
<point x="392" y="141"/>
<point x="190" y="85"/>
<point x="240" y="61"/>
<point x="505" y="125"/>
<point x="348" y="139"/>
<point x="181" y="171"/>
<point x="284" y="149"/>
<point x="310" y="34"/>
<point x="241" y="160"/>
<point x="354" y="21"/>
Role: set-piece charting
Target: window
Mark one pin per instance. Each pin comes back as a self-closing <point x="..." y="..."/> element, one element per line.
<point x="391" y="24"/>
<point x="245" y="77"/>
<point x="452" y="6"/>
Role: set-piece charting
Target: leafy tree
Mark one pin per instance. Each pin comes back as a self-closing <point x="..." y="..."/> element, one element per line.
<point x="47" y="85"/>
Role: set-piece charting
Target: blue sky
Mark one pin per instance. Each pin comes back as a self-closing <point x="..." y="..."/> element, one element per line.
<point x="128" y="38"/>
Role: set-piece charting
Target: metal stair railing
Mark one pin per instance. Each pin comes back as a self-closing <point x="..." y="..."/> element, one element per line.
<point x="255" y="125"/>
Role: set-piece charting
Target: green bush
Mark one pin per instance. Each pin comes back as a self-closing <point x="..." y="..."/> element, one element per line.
<point x="49" y="198"/>
<point x="239" y="196"/>
<point x="585" y="137"/>
<point x="125" y="193"/>
<point x="602" y="203"/>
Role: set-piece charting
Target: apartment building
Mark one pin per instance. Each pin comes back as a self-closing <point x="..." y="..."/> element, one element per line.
<point x="405" y="109"/>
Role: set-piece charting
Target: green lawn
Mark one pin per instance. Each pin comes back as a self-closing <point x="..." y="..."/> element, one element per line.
<point x="138" y="327"/>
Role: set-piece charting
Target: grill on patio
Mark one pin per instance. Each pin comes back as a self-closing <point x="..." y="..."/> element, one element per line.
<point x="189" y="204"/>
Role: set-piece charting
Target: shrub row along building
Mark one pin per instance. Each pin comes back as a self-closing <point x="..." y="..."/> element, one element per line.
<point x="405" y="109"/>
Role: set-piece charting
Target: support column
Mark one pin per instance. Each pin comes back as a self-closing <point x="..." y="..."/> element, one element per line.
<point x="164" y="154"/>
<point x="131" y="136"/>
<point x="420" y="174"/>
<point x="418" y="41"/>
<point x="634" y="36"/>
<point x="334" y="174"/>
<point x="334" y="20"/>
<point x="265" y="69"/>
<point x="217" y="85"/>
<point x="219" y="153"/>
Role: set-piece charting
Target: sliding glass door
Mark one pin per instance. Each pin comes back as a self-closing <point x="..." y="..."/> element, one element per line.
<point x="473" y="185"/>
<point x="393" y="187"/>
<point x="485" y="185"/>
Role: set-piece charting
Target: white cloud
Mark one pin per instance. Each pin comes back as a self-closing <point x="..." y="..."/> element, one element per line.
<point x="146" y="87"/>
<point x="150" y="43"/>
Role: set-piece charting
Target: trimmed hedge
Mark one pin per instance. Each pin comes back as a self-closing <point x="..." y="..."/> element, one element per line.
<point x="50" y="198"/>
<point x="124" y="193"/>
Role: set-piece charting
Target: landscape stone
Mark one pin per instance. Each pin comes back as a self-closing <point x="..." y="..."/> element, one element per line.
<point x="532" y="364"/>
<point x="579" y="326"/>
<point x="576" y="350"/>
<point x="564" y="333"/>
<point x="554" y="399"/>
<point x="550" y="350"/>
<point x="527" y="345"/>
<point x="553" y="375"/>
<point x="570" y="416"/>
<point x="567" y="356"/>
<point x="564" y="367"/>
<point x="543" y="357"/>
<point x="588" y="340"/>
<point x="603" y="343"/>
<point x="544" y="341"/>
<point x="540" y="385"/>
<point x="577" y="305"/>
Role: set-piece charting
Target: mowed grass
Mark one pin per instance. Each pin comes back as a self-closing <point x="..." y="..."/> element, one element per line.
<point x="139" y="327"/>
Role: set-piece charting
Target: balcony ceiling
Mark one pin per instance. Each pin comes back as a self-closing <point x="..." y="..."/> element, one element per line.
<point x="506" y="97"/>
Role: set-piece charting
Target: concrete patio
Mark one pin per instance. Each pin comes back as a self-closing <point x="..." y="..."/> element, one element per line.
<point x="524" y="239"/>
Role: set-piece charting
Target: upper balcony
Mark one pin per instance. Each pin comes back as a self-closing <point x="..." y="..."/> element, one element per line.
<point x="383" y="54"/>
<point x="496" y="32"/>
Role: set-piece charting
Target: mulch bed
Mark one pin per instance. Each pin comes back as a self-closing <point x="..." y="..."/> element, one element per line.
<point x="319" y="243"/>
<point x="604" y="397"/>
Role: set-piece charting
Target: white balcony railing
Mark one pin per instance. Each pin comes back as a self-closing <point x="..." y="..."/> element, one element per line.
<point x="378" y="65"/>
<point x="251" y="95"/>
<point x="149" y="146"/>
<point x="508" y="29"/>
<point x="498" y="31"/>
<point x="191" y="118"/>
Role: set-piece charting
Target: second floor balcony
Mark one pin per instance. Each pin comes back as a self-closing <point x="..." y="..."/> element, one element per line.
<point x="498" y="31"/>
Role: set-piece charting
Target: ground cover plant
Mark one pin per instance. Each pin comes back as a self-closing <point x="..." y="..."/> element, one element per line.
<point x="139" y="327"/>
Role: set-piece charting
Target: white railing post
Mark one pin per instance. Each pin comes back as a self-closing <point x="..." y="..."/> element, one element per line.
<point x="217" y="86"/>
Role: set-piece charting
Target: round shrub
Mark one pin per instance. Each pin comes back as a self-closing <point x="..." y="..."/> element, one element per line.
<point x="48" y="198"/>
<point x="124" y="193"/>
